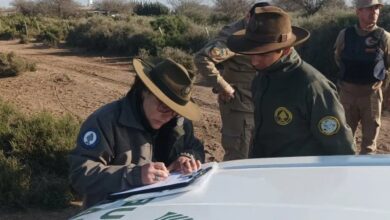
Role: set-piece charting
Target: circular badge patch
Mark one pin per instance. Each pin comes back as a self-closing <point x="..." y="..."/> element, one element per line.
<point x="90" y="139"/>
<point x="217" y="52"/>
<point x="283" y="116"/>
<point x="329" y="125"/>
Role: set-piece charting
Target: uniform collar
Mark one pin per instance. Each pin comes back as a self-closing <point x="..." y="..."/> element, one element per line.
<point x="284" y="66"/>
<point x="362" y="32"/>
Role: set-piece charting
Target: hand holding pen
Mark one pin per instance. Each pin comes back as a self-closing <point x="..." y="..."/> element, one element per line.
<point x="185" y="165"/>
<point x="153" y="172"/>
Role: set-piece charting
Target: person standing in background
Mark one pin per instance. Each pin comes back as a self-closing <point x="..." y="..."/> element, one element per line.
<point x="232" y="84"/>
<point x="362" y="55"/>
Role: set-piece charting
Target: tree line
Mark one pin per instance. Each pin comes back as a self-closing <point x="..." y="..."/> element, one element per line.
<point x="229" y="9"/>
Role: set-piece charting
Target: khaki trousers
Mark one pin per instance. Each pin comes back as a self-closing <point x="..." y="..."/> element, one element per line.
<point x="237" y="130"/>
<point x="363" y="103"/>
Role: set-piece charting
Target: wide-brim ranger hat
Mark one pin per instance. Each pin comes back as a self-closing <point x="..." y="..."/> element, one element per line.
<point x="171" y="83"/>
<point x="367" y="3"/>
<point x="269" y="29"/>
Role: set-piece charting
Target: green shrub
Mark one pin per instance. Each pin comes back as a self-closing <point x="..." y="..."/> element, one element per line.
<point x="179" y="56"/>
<point x="104" y="33"/>
<point x="8" y="33"/>
<point x="324" y="28"/>
<point x="384" y="18"/>
<point x="12" y="65"/>
<point x="48" y="30"/>
<point x="150" y="9"/>
<point x="49" y="38"/>
<point x="193" y="10"/>
<point x="179" y="32"/>
<point x="24" y="39"/>
<point x="33" y="151"/>
<point x="50" y="192"/>
<point x="14" y="184"/>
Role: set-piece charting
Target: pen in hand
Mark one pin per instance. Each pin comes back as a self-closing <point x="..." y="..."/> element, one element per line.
<point x="185" y="165"/>
<point x="153" y="172"/>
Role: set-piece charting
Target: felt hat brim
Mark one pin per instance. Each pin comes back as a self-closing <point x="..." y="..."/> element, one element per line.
<point x="188" y="110"/>
<point x="238" y="43"/>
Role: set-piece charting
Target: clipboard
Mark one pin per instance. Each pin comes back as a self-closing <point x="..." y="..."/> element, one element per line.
<point x="174" y="181"/>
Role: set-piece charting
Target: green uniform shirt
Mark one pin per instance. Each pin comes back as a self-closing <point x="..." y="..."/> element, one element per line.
<point x="113" y="144"/>
<point x="237" y="69"/>
<point x="297" y="112"/>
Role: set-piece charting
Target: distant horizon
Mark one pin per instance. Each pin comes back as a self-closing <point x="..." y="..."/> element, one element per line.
<point x="6" y="3"/>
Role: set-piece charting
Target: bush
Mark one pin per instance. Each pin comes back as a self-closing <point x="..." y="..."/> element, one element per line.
<point x="193" y="10"/>
<point x="179" y="32"/>
<point x="384" y="18"/>
<point x="48" y="30"/>
<point x="12" y="65"/>
<point x="14" y="184"/>
<point x="7" y="33"/>
<point x="179" y="56"/>
<point x="324" y="28"/>
<point x="104" y="33"/>
<point x="150" y="9"/>
<point x="33" y="153"/>
<point x="24" y="39"/>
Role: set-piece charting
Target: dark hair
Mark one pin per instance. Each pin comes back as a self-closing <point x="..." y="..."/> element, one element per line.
<point x="257" y="5"/>
<point x="138" y="84"/>
<point x="137" y="87"/>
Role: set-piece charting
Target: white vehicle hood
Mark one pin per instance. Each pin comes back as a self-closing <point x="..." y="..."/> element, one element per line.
<point x="295" y="188"/>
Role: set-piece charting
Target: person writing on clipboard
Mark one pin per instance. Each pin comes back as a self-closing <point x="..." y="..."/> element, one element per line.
<point x="138" y="139"/>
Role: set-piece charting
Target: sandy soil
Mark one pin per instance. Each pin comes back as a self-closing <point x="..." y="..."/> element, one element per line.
<point x="76" y="82"/>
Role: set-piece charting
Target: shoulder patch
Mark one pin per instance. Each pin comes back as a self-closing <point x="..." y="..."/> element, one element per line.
<point x="329" y="125"/>
<point x="283" y="116"/>
<point x="89" y="139"/>
<point x="217" y="52"/>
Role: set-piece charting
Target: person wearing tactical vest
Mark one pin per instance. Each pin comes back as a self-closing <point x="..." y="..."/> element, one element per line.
<point x="297" y="110"/>
<point x="138" y="139"/>
<point x="232" y="83"/>
<point x="362" y="54"/>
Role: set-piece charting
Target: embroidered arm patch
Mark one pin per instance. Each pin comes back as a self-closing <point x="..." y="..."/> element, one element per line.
<point x="329" y="125"/>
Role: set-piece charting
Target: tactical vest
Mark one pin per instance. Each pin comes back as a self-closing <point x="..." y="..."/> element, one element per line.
<point x="362" y="57"/>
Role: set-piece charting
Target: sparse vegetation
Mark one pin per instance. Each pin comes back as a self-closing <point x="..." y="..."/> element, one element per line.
<point x="33" y="152"/>
<point x="150" y="9"/>
<point x="12" y="65"/>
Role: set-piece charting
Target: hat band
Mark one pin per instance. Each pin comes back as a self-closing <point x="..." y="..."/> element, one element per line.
<point x="260" y="38"/>
<point x="166" y="90"/>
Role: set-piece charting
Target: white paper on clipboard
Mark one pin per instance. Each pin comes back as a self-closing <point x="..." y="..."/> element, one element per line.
<point x="175" y="183"/>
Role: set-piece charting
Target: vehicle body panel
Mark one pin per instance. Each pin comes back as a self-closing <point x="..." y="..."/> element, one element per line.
<point x="333" y="187"/>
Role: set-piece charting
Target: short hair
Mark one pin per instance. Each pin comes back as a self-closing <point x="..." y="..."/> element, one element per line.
<point x="257" y="5"/>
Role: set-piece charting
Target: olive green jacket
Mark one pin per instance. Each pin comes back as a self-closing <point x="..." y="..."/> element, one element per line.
<point x="113" y="144"/>
<point x="297" y="112"/>
<point x="237" y="69"/>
